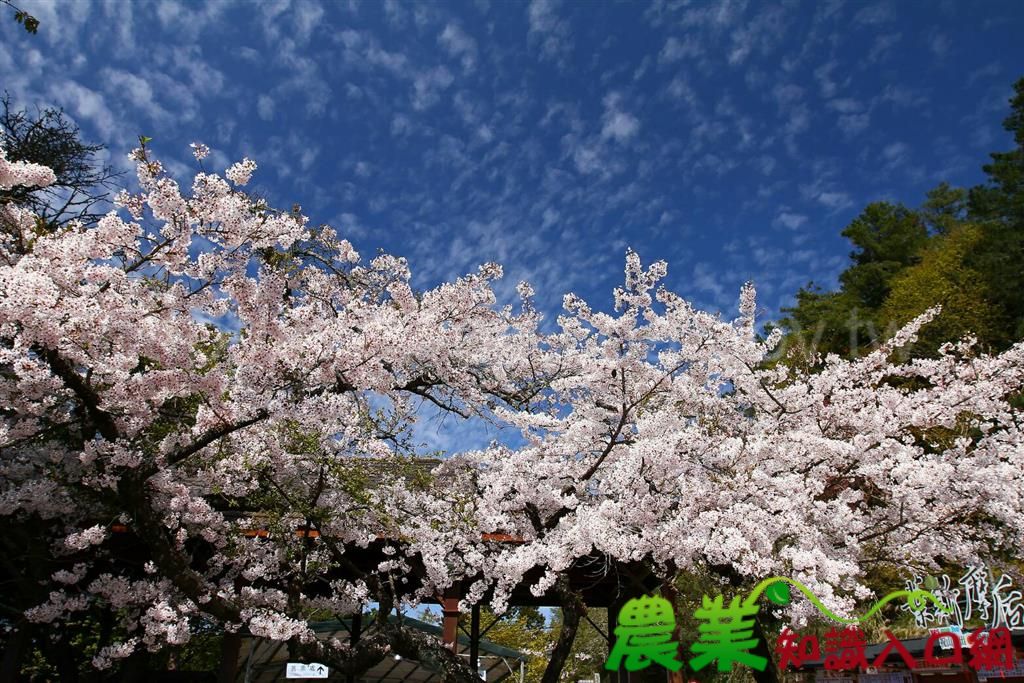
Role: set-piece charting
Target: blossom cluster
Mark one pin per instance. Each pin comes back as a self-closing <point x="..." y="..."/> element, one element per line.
<point x="26" y="174"/>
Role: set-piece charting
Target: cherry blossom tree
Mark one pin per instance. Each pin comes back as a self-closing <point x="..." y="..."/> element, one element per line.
<point x="235" y="388"/>
<point x="126" y="405"/>
<point x="666" y="438"/>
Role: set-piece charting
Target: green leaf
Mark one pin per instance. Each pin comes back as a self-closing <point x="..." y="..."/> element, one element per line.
<point x="778" y="593"/>
<point x="930" y="582"/>
<point x="143" y="139"/>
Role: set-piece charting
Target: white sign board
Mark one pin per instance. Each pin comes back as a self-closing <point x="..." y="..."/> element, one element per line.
<point x="314" y="670"/>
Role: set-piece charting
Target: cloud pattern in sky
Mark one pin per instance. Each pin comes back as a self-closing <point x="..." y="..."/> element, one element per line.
<point x="733" y="139"/>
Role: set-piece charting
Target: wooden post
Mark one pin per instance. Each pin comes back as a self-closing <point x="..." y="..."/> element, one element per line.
<point x="450" y="621"/>
<point x="669" y="592"/>
<point x="19" y="640"/>
<point x="613" y="615"/>
<point x="354" y="633"/>
<point x="231" y="645"/>
<point x="474" y="638"/>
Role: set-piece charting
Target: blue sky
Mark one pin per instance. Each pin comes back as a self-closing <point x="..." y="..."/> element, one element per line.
<point x="735" y="140"/>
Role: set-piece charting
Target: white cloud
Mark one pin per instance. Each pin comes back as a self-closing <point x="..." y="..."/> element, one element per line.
<point x="766" y="257"/>
<point x="618" y="125"/>
<point x="895" y="154"/>
<point x="265" y="107"/>
<point x="459" y="45"/>
<point x="818" y="191"/>
<point x="428" y="86"/>
<point x="168" y="12"/>
<point x="588" y="158"/>
<point x="549" y="31"/>
<point x="742" y="44"/>
<point x="705" y="278"/>
<point x="307" y="16"/>
<point x="308" y="156"/>
<point x="883" y="46"/>
<point x="789" y="219"/>
<point x="676" y="49"/>
<point x="392" y="61"/>
<point x="134" y="90"/>
<point x="851" y="124"/>
<point x="835" y="200"/>
<point x="874" y="14"/>
<point x="400" y="125"/>
<point x="787" y="93"/>
<point x="85" y="104"/>
<point x="903" y="96"/>
<point x="362" y="50"/>
<point x="823" y="75"/>
<point x="987" y="71"/>
<point x="395" y="13"/>
<point x="679" y="89"/>
<point x="939" y="44"/>
<point x="846" y="105"/>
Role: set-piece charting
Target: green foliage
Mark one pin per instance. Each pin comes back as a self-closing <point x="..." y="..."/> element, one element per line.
<point x="945" y="277"/>
<point x="999" y="207"/>
<point x="963" y="249"/>
<point x="945" y="208"/>
<point x="589" y="650"/>
<point x="890" y="235"/>
<point x="887" y="238"/>
<point x="30" y="23"/>
<point x="521" y="628"/>
<point x="825" y="322"/>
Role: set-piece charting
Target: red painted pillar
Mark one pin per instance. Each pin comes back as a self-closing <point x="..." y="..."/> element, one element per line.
<point x="450" y="621"/>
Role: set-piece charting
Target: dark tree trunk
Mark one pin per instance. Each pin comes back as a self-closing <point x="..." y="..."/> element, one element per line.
<point x="231" y="645"/>
<point x="669" y="592"/>
<point x="65" y="658"/>
<point x="136" y="667"/>
<point x="765" y="644"/>
<point x="14" y="651"/>
<point x="572" y="610"/>
<point x="764" y="649"/>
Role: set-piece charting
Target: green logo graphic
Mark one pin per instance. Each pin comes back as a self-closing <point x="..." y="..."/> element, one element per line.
<point x="644" y="635"/>
<point x="726" y="634"/>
